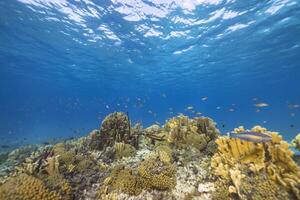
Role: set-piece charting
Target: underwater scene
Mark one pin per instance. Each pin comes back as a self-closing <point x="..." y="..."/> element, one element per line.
<point x="149" y="99"/>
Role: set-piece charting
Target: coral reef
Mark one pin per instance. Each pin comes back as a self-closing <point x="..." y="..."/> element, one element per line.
<point x="186" y="158"/>
<point x="123" y="150"/>
<point x="273" y="157"/>
<point x="115" y="127"/>
<point x="182" y="132"/>
<point x="262" y="188"/>
<point x="26" y="188"/>
<point x="296" y="142"/>
<point x="149" y="174"/>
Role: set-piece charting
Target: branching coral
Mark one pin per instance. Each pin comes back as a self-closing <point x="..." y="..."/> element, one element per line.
<point x="26" y="188"/>
<point x="274" y="157"/>
<point x="52" y="165"/>
<point x="236" y="177"/>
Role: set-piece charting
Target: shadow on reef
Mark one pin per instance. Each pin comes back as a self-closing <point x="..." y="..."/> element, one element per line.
<point x="183" y="159"/>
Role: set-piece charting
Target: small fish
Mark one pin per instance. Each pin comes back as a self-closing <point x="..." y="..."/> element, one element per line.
<point x="264" y="122"/>
<point x="46" y="143"/>
<point x="251" y="136"/>
<point x="218" y="107"/>
<point x="231" y="109"/>
<point x="204" y="98"/>
<point x="223" y="125"/>
<point x="107" y="106"/>
<point x="292" y="125"/>
<point x="190" y="107"/>
<point x="292" y="114"/>
<point x="254" y="99"/>
<point x="291" y="106"/>
<point x="163" y="95"/>
<point x="198" y="113"/>
<point x="118" y="104"/>
<point x="257" y="110"/>
<point x="261" y="105"/>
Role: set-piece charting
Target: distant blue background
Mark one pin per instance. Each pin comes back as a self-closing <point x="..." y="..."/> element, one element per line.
<point x="64" y="65"/>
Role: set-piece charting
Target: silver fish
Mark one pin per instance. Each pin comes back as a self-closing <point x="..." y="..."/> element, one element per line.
<point x="251" y="136"/>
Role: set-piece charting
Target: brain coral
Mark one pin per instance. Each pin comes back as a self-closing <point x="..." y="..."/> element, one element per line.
<point x="26" y="187"/>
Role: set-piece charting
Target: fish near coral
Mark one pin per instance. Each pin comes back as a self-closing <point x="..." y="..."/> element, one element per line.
<point x="251" y="136"/>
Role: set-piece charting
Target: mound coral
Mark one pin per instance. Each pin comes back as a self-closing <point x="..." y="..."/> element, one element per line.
<point x="274" y="157"/>
<point x="149" y="174"/>
<point x="59" y="184"/>
<point x="115" y="127"/>
<point x="26" y="188"/>
<point x="262" y="188"/>
<point x="182" y="132"/>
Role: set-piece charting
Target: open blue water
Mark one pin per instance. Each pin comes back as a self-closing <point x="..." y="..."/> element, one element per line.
<point x="65" y="64"/>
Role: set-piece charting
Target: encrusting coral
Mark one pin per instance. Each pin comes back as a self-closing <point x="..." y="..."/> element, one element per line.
<point x="26" y="187"/>
<point x="274" y="157"/>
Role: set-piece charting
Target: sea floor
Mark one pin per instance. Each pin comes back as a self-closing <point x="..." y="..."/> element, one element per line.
<point x="186" y="158"/>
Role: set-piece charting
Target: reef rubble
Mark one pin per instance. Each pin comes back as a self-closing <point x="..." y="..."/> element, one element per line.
<point x="186" y="158"/>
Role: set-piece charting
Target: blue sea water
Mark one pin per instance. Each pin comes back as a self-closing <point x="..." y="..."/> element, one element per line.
<point x="65" y="64"/>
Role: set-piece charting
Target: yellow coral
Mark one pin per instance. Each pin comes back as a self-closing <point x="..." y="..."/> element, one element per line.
<point x="149" y="174"/>
<point x="26" y="188"/>
<point x="262" y="188"/>
<point x="236" y="177"/>
<point x="59" y="183"/>
<point x="183" y="132"/>
<point x="164" y="153"/>
<point x="66" y="157"/>
<point x="53" y="164"/>
<point x="296" y="142"/>
<point x="274" y="157"/>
